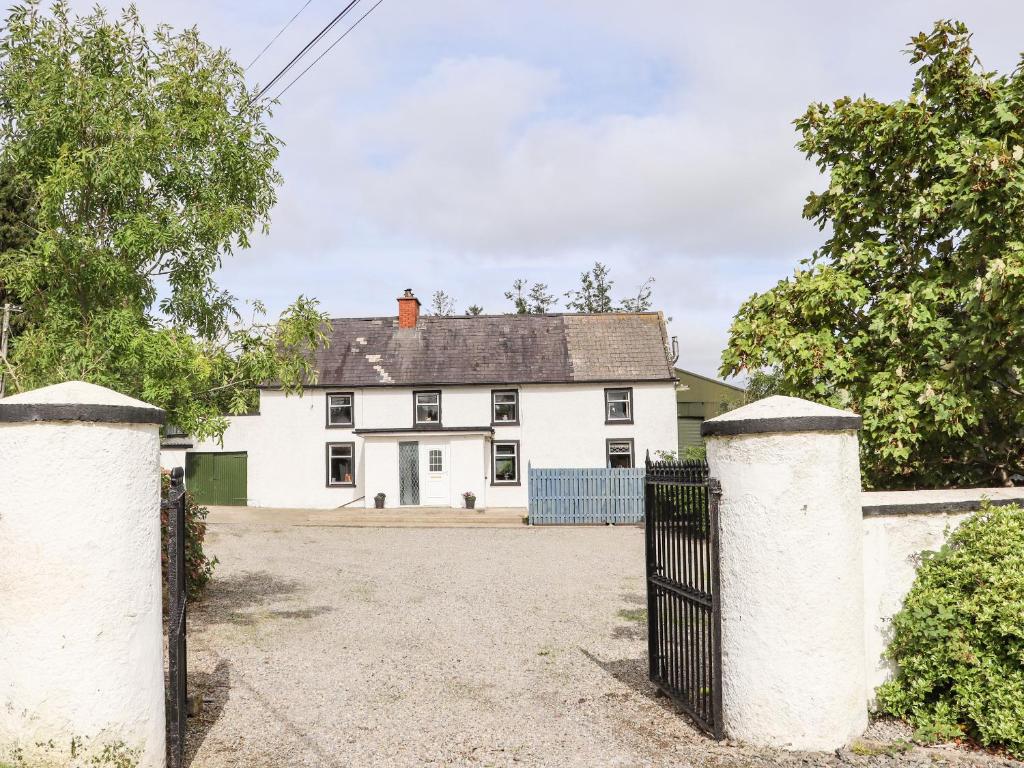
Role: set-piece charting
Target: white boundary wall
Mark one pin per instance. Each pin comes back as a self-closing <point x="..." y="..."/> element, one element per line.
<point x="81" y="650"/>
<point x="898" y="527"/>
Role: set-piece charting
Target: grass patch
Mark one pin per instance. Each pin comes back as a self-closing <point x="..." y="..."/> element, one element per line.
<point x="639" y="615"/>
<point x="877" y="748"/>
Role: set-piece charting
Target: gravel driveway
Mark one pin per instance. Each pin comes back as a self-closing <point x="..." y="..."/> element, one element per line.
<point x="326" y="646"/>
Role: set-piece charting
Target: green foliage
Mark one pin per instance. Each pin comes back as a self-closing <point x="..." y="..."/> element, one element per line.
<point x="695" y="453"/>
<point x="762" y="384"/>
<point x="198" y="567"/>
<point x="442" y="305"/>
<point x="595" y="291"/>
<point x="689" y="453"/>
<point x="15" y="218"/>
<point x="474" y="309"/>
<point x="911" y="312"/>
<point x="536" y="301"/>
<point x="146" y="162"/>
<point x="641" y="302"/>
<point x="959" y="639"/>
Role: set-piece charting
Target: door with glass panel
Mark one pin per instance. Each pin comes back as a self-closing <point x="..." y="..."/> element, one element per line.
<point x="434" y="475"/>
<point x="409" y="473"/>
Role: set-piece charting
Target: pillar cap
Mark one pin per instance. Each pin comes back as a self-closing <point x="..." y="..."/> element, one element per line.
<point x="78" y="401"/>
<point x="779" y="413"/>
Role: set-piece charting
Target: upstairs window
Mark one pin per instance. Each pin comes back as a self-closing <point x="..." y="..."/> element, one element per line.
<point x="341" y="464"/>
<point x="427" y="407"/>
<point x="504" y="406"/>
<point x="620" y="454"/>
<point x="339" y="409"/>
<point x="505" y="463"/>
<point x="618" y="406"/>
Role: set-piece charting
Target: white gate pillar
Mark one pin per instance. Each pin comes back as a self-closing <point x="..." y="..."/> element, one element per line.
<point x="792" y="587"/>
<point x="81" y="651"/>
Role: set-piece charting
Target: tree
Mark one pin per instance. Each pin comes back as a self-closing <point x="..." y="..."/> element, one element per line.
<point x="641" y="302"/>
<point x="912" y="311"/>
<point x="15" y="218"/>
<point x="536" y="301"/>
<point x="442" y="305"/>
<point x="148" y="163"/>
<point x="540" y="300"/>
<point x="595" y="291"/>
<point x="474" y="309"/>
<point x="762" y="384"/>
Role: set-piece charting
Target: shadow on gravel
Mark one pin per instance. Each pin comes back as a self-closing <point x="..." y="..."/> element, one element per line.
<point x="633" y="674"/>
<point x="238" y="598"/>
<point x="214" y="689"/>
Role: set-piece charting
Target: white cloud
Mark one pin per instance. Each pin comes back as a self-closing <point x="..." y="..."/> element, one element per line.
<point x="459" y="145"/>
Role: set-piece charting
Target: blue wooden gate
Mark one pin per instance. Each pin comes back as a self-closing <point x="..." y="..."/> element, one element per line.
<point x="586" y="496"/>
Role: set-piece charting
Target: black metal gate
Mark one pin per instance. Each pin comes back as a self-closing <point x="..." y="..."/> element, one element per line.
<point x="177" y="675"/>
<point x="683" y="609"/>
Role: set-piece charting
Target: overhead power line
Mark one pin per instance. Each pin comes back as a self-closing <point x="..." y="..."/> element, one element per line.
<point x="319" y="36"/>
<point x="342" y="37"/>
<point x="279" y="33"/>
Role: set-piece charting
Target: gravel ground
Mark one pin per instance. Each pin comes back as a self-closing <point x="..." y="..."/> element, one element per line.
<point x="447" y="647"/>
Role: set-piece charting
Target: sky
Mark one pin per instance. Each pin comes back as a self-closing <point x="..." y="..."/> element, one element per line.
<point x="459" y="145"/>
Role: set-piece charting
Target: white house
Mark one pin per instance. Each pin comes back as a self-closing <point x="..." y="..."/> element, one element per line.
<point x="424" y="408"/>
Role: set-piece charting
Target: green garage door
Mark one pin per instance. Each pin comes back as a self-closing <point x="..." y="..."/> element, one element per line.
<point x="217" y="478"/>
<point x="689" y="433"/>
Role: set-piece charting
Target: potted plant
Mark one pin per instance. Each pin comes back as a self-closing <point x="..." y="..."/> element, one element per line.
<point x="470" y="498"/>
<point x="378" y="501"/>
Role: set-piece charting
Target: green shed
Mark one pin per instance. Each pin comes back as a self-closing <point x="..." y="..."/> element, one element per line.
<point x="217" y="478"/>
<point x="699" y="398"/>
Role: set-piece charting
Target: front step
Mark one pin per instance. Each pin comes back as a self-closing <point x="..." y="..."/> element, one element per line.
<point x="415" y="517"/>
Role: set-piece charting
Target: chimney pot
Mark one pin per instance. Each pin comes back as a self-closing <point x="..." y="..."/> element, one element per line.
<point x="408" y="309"/>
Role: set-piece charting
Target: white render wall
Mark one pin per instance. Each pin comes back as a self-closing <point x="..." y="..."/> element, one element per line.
<point x="81" y="654"/>
<point x="792" y="596"/>
<point x="561" y="425"/>
<point x="913" y="522"/>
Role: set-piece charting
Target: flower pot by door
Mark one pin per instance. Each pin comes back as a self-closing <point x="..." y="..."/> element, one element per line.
<point x="471" y="502"/>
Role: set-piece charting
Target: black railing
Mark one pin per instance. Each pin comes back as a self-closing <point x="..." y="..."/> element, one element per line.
<point x="177" y="600"/>
<point x="683" y="606"/>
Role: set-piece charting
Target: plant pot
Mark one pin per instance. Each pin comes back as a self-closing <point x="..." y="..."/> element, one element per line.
<point x="471" y="502"/>
<point x="378" y="502"/>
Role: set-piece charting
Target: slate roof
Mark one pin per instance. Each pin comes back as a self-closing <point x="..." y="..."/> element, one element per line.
<point x="495" y="349"/>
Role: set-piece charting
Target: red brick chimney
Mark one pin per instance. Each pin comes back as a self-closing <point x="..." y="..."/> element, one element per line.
<point x="408" y="309"/>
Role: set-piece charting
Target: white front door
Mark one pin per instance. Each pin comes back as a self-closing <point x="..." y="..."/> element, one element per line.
<point x="434" y="475"/>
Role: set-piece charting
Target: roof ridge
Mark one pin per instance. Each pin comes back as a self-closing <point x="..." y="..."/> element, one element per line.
<point x="507" y="314"/>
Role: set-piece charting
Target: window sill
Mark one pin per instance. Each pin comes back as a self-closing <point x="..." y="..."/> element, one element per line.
<point x="617" y="421"/>
<point x="498" y="484"/>
<point x="349" y="425"/>
<point x="341" y="485"/>
<point x="505" y="424"/>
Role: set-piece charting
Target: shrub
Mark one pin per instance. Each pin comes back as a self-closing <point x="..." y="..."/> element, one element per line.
<point x="198" y="567"/>
<point x="959" y="638"/>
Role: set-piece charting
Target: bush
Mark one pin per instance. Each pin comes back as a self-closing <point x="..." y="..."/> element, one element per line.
<point x="198" y="567"/>
<point x="959" y="638"/>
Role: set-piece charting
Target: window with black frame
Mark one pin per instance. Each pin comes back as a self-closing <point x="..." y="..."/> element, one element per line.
<point x="340" y="411"/>
<point x="620" y="454"/>
<point x="505" y="406"/>
<point x="618" y="406"/>
<point x="427" y="407"/>
<point x="341" y="464"/>
<point x="505" y="465"/>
